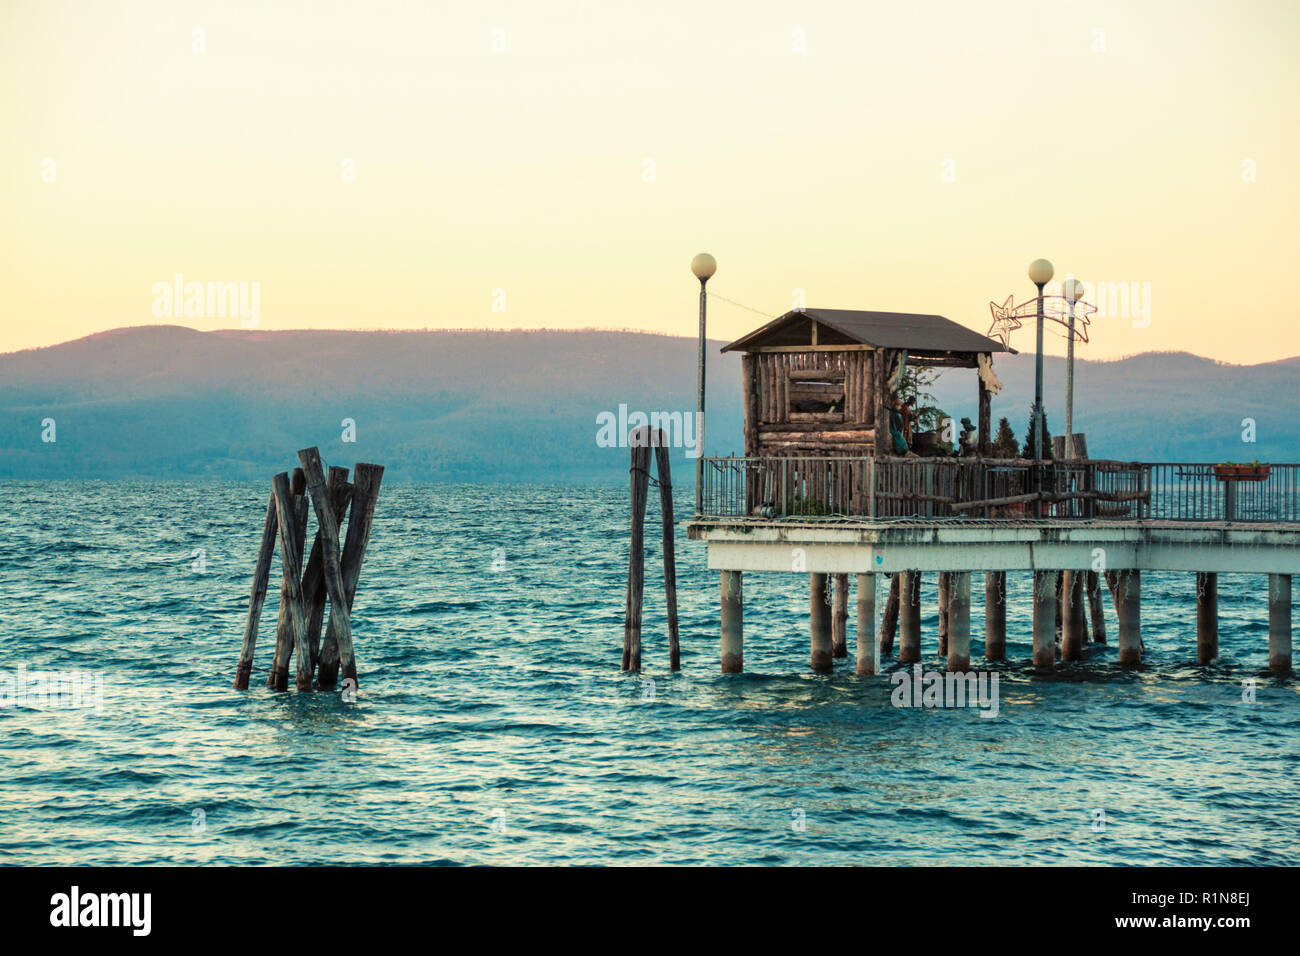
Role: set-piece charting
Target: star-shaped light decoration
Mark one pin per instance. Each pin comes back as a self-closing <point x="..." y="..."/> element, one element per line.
<point x="1007" y="317"/>
<point x="1005" y="321"/>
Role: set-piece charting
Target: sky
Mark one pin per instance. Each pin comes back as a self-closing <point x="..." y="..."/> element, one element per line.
<point x="557" y="165"/>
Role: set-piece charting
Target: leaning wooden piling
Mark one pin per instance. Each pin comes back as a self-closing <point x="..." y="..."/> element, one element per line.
<point x="1044" y="618"/>
<point x="889" y="619"/>
<point x="284" y="503"/>
<point x="1279" y="623"/>
<point x="909" y="604"/>
<point x="958" y="651"/>
<point x="284" y="633"/>
<point x="733" y="623"/>
<point x="669" y="548"/>
<point x="1207" y="617"/>
<point x="337" y="653"/>
<point x="257" y="595"/>
<point x="819" y="617"/>
<point x="313" y="576"/>
<point x="866" y="635"/>
<point x="840" y="616"/>
<point x="995" y="616"/>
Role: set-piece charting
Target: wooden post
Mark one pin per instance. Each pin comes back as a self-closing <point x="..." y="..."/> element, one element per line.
<point x="889" y="620"/>
<point x="1207" y="617"/>
<point x="1073" y="635"/>
<point x="943" y="584"/>
<point x="285" y="636"/>
<point x="959" y="621"/>
<point x="985" y="419"/>
<point x="1095" y="608"/>
<point x="313" y="577"/>
<point x="1128" y="585"/>
<point x="1044" y="618"/>
<point x="820" y="625"/>
<point x="866" y="636"/>
<point x="1279" y="623"/>
<point x="670" y="555"/>
<point x="257" y="596"/>
<point x="733" y="623"/>
<point x="995" y="616"/>
<point x="880" y="396"/>
<point x="909" y="600"/>
<point x="640" y="474"/>
<point x="289" y="552"/>
<point x="840" y="616"/>
<point x="336" y="651"/>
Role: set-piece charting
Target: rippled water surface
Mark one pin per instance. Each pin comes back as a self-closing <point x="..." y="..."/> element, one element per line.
<point x="493" y="725"/>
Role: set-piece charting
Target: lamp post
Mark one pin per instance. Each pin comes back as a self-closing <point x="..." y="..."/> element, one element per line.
<point x="1073" y="293"/>
<point x="1040" y="273"/>
<point x="703" y="266"/>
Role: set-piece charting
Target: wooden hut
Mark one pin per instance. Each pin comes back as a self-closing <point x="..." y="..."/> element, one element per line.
<point x="817" y="381"/>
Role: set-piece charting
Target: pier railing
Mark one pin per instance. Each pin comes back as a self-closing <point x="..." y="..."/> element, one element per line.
<point x="956" y="488"/>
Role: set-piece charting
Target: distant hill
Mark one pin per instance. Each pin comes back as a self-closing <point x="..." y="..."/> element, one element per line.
<point x="166" y="402"/>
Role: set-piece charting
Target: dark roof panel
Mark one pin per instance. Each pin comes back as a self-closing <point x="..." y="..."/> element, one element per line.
<point x="888" y="330"/>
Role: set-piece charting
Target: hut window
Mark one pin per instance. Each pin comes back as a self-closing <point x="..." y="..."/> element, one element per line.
<point x="815" y="395"/>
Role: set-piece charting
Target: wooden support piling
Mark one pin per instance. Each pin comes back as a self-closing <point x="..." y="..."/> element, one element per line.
<point x="995" y="616"/>
<point x="889" y="620"/>
<point x="289" y="559"/>
<point x="313" y="576"/>
<point x="337" y="653"/>
<point x="866" y="634"/>
<point x="909" y="601"/>
<point x="1279" y="623"/>
<point x="1095" y="609"/>
<point x="840" y="616"/>
<point x="1207" y="617"/>
<point x="670" y="556"/>
<point x="1128" y="588"/>
<point x="733" y="623"/>
<point x="284" y="628"/>
<point x="257" y="596"/>
<point x="958" y="620"/>
<point x="1074" y="623"/>
<point x="820" y="625"/>
<point x="1044" y="618"/>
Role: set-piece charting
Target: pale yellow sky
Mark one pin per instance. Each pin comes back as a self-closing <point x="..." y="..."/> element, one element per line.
<point x="910" y="157"/>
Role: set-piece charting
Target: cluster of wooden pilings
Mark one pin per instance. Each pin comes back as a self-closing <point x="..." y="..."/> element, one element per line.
<point x="330" y="573"/>
<point x="1065" y="603"/>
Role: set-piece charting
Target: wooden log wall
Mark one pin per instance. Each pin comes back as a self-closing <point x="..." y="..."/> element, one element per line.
<point x="770" y="428"/>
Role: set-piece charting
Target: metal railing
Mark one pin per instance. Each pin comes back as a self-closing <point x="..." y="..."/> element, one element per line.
<point x="957" y="488"/>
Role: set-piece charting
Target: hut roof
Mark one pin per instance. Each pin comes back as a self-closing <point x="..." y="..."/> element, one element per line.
<point x="888" y="330"/>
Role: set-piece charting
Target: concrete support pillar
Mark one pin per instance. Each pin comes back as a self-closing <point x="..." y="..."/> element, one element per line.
<point x="733" y="623"/>
<point x="909" y="600"/>
<point x="959" y="621"/>
<point x="820" y="625"/>
<point x="866" y="625"/>
<point x="1073" y="622"/>
<point x="1207" y="617"/>
<point x="943" y="612"/>
<point x="840" y="616"/>
<point x="1097" y="612"/>
<point x="1129" y="590"/>
<point x="1044" y="618"/>
<point x="995" y="616"/>
<point x="1279" y="623"/>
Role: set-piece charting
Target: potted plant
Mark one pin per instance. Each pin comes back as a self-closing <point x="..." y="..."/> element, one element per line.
<point x="1230" y="471"/>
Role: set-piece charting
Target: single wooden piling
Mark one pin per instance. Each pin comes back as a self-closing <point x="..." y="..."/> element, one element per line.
<point x="909" y="601"/>
<point x="1096" y="610"/>
<point x="313" y="576"/>
<point x="959" y="621"/>
<point x="640" y="476"/>
<point x="289" y="559"/>
<point x="889" y="620"/>
<point x="943" y="612"/>
<point x="1074" y="623"/>
<point x="257" y="596"/>
<point x="866" y="635"/>
<point x="284" y="628"/>
<point x="1128" y="586"/>
<point x="820" y="625"/>
<point x="1044" y="618"/>
<point x="1207" y="617"/>
<point x="840" y="616"/>
<point x="1279" y="623"/>
<point x="995" y="616"/>
<point x="733" y="623"/>
<point x="670" y="557"/>
<point x="336" y="651"/>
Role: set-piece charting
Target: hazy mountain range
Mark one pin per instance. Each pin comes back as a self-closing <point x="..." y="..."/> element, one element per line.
<point x="167" y="401"/>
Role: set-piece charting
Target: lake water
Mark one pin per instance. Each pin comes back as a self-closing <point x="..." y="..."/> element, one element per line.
<point x="493" y="725"/>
